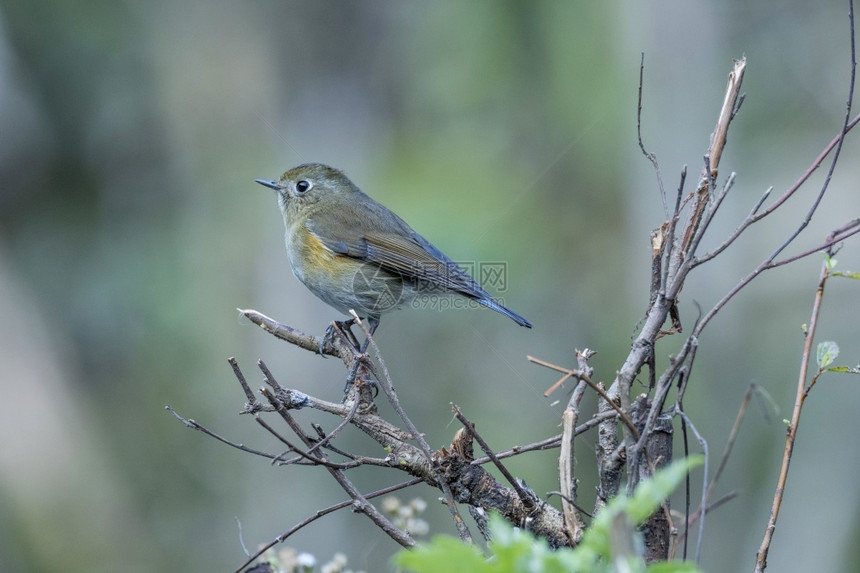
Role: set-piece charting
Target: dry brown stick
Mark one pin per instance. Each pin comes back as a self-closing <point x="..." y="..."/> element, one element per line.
<point x="727" y="113"/>
<point x="574" y="525"/>
<point x="566" y="480"/>
<point x="715" y="152"/>
<point x="791" y="436"/>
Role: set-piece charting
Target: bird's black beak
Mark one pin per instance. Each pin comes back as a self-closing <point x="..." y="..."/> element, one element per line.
<point x="270" y="184"/>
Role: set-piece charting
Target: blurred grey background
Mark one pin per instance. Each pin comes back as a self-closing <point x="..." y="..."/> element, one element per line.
<point x="131" y="229"/>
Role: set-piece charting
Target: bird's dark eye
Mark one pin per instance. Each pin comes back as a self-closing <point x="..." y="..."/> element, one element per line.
<point x="303" y="186"/>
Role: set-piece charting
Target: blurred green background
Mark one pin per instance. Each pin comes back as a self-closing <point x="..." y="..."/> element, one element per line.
<point x="131" y="229"/>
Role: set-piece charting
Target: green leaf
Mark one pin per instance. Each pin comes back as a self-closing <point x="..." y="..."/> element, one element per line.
<point x="651" y="493"/>
<point x="845" y="369"/>
<point x="830" y="262"/>
<point x="517" y="550"/>
<point x="645" y="501"/>
<point x="444" y="554"/>
<point x="827" y="353"/>
<point x="610" y="541"/>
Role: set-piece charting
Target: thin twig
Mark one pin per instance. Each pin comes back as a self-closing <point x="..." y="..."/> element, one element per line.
<point x="750" y="219"/>
<point x="282" y="537"/>
<point x="648" y="155"/>
<point x="252" y="399"/>
<point x="570" y="501"/>
<point x="195" y="426"/>
<point x="331" y="435"/>
<point x="671" y="262"/>
<point x="791" y="436"/>
<point x="733" y="434"/>
<point x="359" y="501"/>
<point x="848" y="230"/>
<point x="548" y="443"/>
<point x="816" y="163"/>
<point x="391" y="394"/>
<point x="687" y="480"/>
<point x="581" y="376"/>
<point x="682" y="536"/>
<point x="704" y="445"/>
<point x="315" y="460"/>
<point x="527" y="500"/>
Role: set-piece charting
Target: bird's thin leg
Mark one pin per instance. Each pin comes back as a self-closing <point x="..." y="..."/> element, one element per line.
<point x="372" y="324"/>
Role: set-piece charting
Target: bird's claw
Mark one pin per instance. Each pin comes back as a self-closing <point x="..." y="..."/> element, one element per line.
<point x="334" y="329"/>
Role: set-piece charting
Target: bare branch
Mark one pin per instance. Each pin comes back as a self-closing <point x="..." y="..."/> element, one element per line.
<point x="388" y="388"/>
<point x="791" y="436"/>
<point x="195" y="426"/>
<point x="550" y="443"/>
<point x="307" y="521"/>
<point x="836" y="141"/>
<point x="527" y="500"/>
<point x="360" y="503"/>
<point x="597" y="388"/>
<point x="331" y="347"/>
<point x="704" y="445"/>
<point x="650" y="156"/>
<point x="566" y="480"/>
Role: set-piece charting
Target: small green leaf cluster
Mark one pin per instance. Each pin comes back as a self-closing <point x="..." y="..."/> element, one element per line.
<point x="604" y="547"/>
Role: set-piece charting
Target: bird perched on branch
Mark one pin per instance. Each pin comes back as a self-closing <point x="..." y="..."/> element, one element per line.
<point x="356" y="254"/>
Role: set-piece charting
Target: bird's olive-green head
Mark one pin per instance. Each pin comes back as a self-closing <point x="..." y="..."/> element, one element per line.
<point x="309" y="187"/>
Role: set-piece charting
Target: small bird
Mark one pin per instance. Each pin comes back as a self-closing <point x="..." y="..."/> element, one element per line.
<point x="354" y="253"/>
